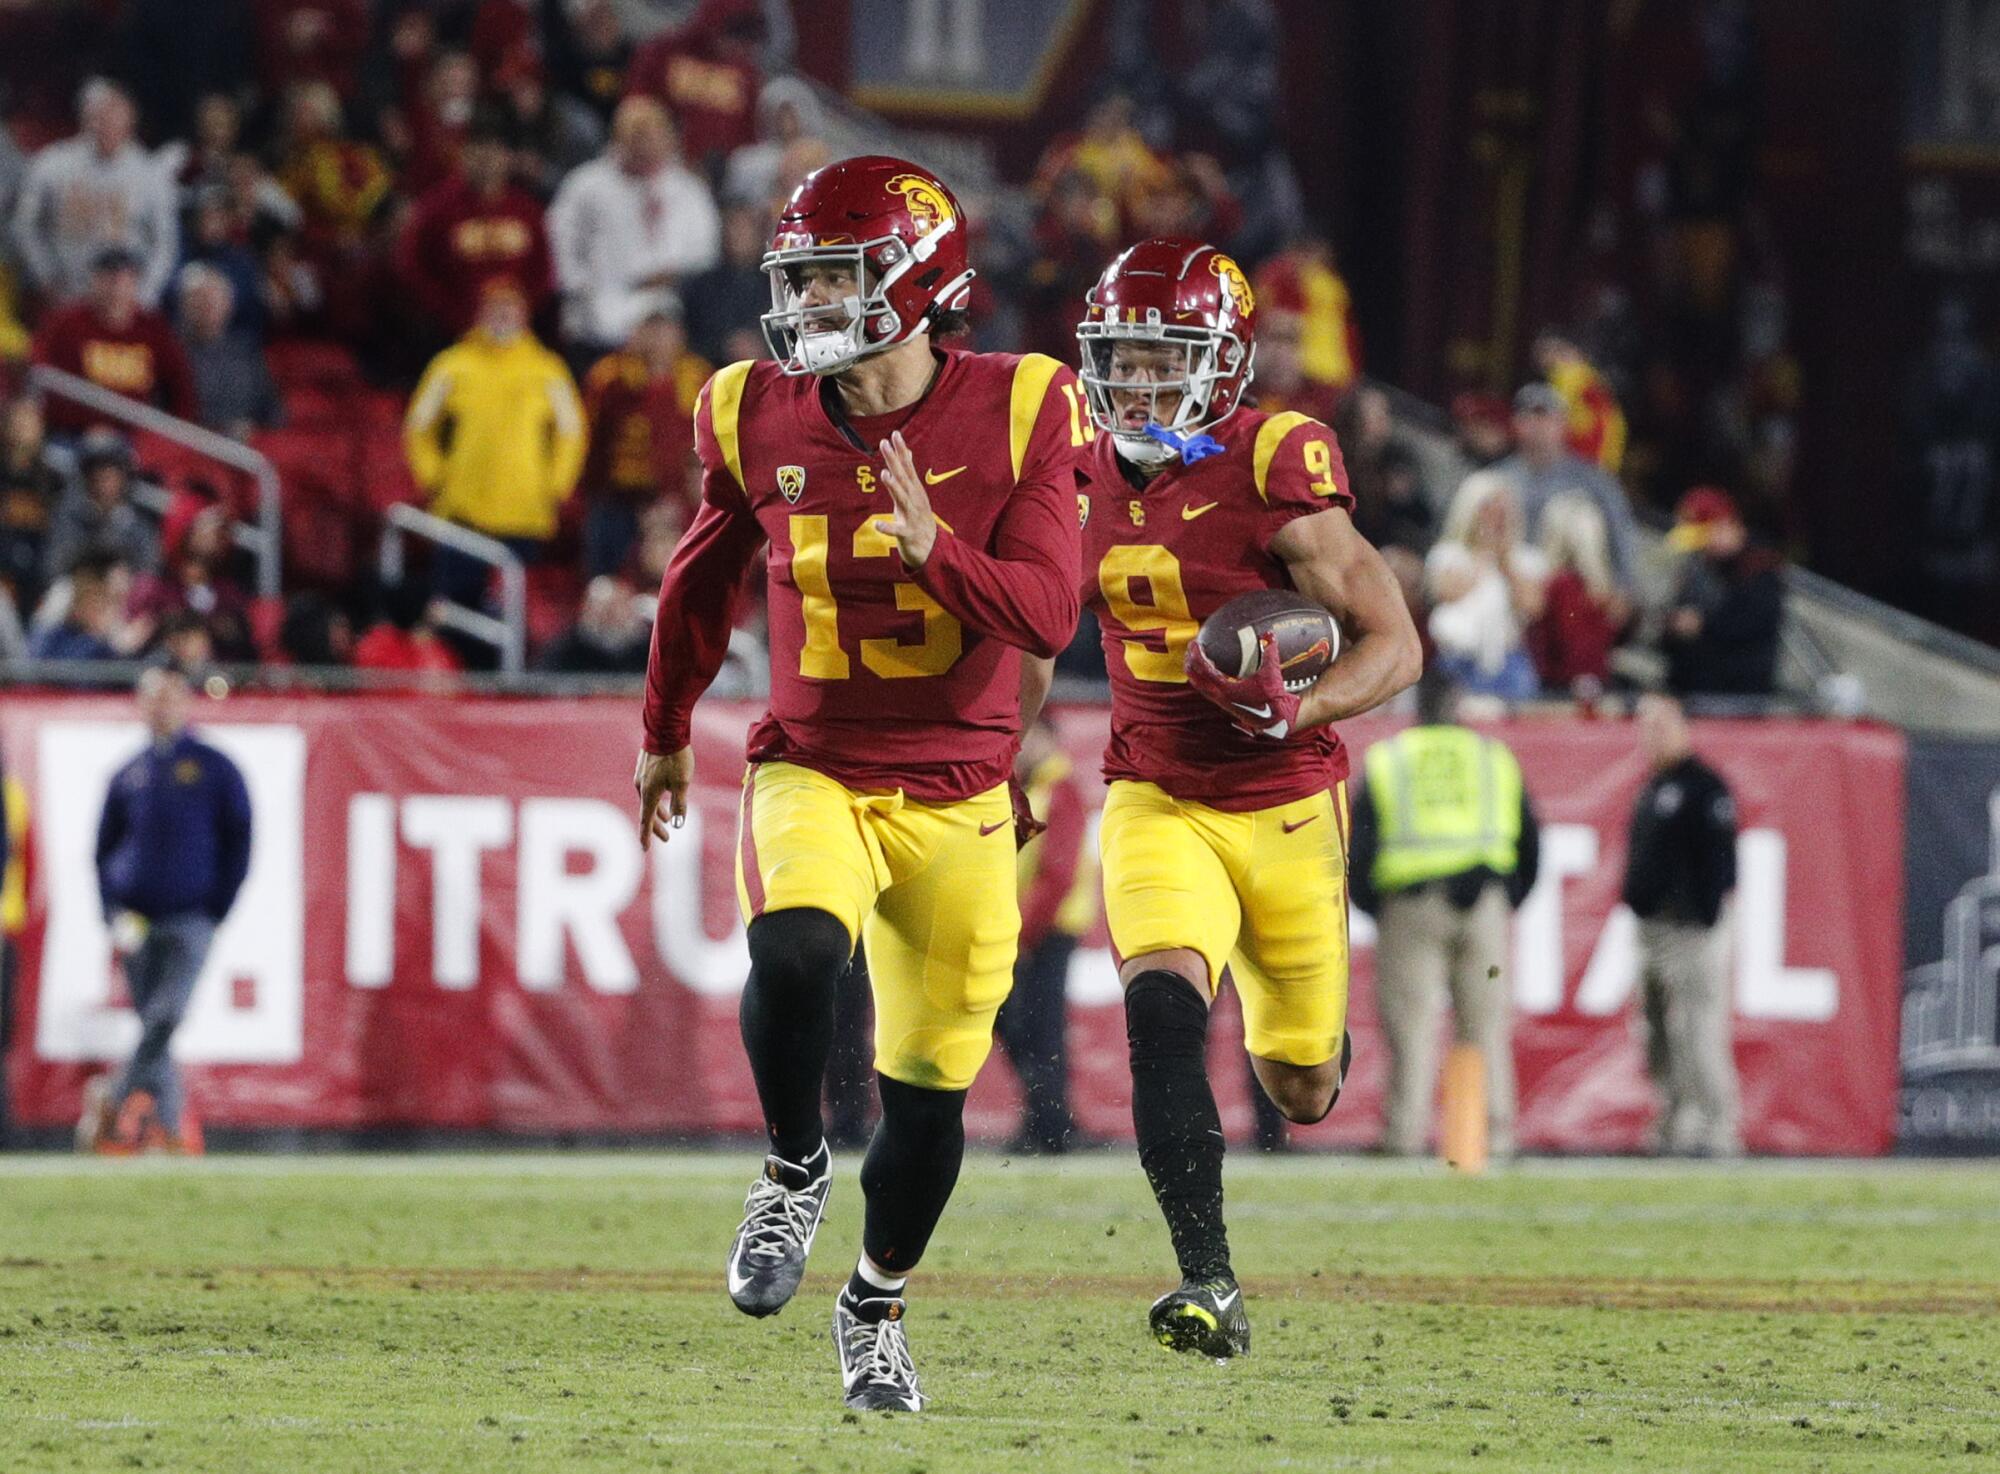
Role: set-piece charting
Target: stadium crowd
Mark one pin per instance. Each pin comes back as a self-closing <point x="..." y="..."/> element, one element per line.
<point x="480" y="256"/>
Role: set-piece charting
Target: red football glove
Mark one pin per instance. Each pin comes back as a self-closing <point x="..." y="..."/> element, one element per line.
<point x="1026" y="825"/>
<point x="1258" y="703"/>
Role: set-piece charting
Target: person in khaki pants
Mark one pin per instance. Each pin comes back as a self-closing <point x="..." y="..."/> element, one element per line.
<point x="1680" y="867"/>
<point x="1445" y="846"/>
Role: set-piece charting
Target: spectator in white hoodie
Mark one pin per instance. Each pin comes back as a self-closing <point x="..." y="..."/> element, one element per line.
<point x="1486" y="585"/>
<point x="98" y="189"/>
<point x="628" y="227"/>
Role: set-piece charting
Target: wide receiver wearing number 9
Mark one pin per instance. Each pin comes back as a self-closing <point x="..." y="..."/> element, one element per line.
<point x="1224" y="832"/>
<point x="919" y="509"/>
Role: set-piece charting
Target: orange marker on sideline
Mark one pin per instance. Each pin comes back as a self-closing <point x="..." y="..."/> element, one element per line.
<point x="1465" y="1108"/>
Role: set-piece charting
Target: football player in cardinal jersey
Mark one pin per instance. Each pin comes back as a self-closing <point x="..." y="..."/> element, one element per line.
<point x="919" y="509"/>
<point x="1224" y="832"/>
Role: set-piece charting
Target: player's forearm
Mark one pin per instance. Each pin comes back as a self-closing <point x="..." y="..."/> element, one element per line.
<point x="1370" y="671"/>
<point x="691" y="628"/>
<point x="677" y="672"/>
<point x="1029" y="603"/>
<point x="1385" y="654"/>
<point x="1037" y="674"/>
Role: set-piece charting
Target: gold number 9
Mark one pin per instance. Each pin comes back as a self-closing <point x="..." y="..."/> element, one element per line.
<point x="1319" y="462"/>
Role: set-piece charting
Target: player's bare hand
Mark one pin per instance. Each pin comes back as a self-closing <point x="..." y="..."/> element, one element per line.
<point x="914" y="527"/>
<point x="658" y="777"/>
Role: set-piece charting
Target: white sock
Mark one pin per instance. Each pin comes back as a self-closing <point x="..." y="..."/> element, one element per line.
<point x="881" y="1279"/>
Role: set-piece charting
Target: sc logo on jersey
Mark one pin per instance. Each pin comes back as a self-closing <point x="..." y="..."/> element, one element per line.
<point x="792" y="482"/>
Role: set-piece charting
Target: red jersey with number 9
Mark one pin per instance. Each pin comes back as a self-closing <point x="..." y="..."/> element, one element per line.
<point x="881" y="678"/>
<point x="1161" y="558"/>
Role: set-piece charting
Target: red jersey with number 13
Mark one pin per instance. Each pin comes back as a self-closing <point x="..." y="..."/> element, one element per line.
<point x="881" y="678"/>
<point x="1158" y="560"/>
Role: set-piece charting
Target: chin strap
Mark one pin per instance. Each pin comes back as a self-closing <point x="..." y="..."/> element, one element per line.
<point x="1190" y="448"/>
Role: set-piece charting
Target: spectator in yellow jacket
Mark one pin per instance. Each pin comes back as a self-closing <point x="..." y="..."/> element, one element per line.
<point x="495" y="435"/>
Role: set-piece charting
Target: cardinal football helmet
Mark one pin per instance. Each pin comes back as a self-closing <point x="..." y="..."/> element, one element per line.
<point x="900" y="233"/>
<point x="1176" y="294"/>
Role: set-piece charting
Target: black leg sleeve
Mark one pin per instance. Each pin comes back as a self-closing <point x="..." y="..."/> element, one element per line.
<point x="1173" y="1112"/>
<point x="1041" y="1058"/>
<point x="850" y="1070"/>
<point x="796" y="961"/>
<point x="910" y="1170"/>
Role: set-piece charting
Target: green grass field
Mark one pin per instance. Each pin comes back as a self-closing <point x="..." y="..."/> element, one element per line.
<point x="545" y="1312"/>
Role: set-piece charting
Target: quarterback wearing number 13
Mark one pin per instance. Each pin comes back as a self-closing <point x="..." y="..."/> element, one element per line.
<point x="919" y="506"/>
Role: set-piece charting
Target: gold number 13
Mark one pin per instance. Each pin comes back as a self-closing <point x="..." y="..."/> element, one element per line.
<point x="821" y="658"/>
<point x="1081" y="427"/>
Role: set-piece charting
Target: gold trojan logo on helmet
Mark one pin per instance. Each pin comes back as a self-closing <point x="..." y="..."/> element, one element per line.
<point x="928" y="204"/>
<point x="1235" y="285"/>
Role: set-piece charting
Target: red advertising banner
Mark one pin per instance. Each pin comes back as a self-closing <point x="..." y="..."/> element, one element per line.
<point x="449" y="922"/>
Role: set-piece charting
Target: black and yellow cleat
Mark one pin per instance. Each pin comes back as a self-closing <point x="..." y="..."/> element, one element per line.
<point x="1203" y="1316"/>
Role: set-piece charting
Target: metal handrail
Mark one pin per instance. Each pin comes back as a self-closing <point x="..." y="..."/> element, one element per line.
<point x="509" y="633"/>
<point x="266" y="539"/>
<point x="1932" y="639"/>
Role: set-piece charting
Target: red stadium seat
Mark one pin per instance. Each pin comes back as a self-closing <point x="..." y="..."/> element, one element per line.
<point x="555" y="592"/>
<point x="324" y="534"/>
<point x="382" y="473"/>
<point x="312" y="405"/>
<point x="267" y="616"/>
<point x="300" y="361"/>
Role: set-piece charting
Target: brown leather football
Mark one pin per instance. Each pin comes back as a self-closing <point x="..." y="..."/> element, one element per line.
<point x="1308" y="639"/>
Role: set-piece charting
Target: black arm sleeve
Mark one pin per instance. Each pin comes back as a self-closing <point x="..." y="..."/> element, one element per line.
<point x="1718" y="826"/>
<point x="1361" y="852"/>
<point x="1645" y="865"/>
<point x="1528" y="863"/>
<point x="233" y="822"/>
<point x="110" y="830"/>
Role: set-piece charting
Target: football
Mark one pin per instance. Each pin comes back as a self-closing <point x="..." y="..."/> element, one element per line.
<point x="1308" y="639"/>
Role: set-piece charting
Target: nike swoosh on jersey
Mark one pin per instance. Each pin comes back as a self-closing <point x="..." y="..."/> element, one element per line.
<point x="986" y="829"/>
<point x="1188" y="514"/>
<point x="932" y="478"/>
<point x="1301" y="824"/>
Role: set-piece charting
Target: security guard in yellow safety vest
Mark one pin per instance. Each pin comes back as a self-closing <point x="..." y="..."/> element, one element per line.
<point x="1445" y="846"/>
<point x="1057" y="877"/>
